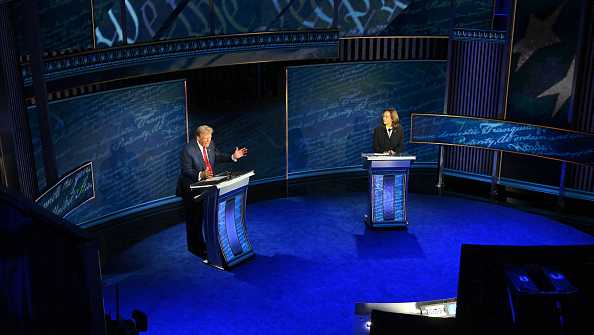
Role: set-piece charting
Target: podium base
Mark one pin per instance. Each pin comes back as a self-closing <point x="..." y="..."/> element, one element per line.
<point x="226" y="267"/>
<point x="388" y="224"/>
<point x="205" y="261"/>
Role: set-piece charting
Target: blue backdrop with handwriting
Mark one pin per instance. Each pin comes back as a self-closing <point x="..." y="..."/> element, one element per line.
<point x="256" y="123"/>
<point x="68" y="23"/>
<point x="436" y="17"/>
<point x="503" y="135"/>
<point x="133" y="136"/>
<point x="70" y="192"/>
<point x="355" y="17"/>
<point x="333" y="109"/>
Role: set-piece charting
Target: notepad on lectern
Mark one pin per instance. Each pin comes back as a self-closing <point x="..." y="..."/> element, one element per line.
<point x="207" y="183"/>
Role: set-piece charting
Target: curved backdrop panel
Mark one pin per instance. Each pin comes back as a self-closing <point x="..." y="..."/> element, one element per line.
<point x="257" y="124"/>
<point x="437" y="17"/>
<point x="133" y="136"/>
<point x="149" y="20"/>
<point x="552" y="143"/>
<point x="64" y="24"/>
<point x="155" y="19"/>
<point x="70" y="192"/>
<point x="245" y="104"/>
<point x="333" y="109"/>
<point x="69" y="24"/>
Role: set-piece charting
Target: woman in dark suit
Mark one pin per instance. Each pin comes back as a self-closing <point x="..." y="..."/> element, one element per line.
<point x="388" y="138"/>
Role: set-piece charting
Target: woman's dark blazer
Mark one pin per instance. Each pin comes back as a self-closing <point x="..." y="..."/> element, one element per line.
<point x="383" y="143"/>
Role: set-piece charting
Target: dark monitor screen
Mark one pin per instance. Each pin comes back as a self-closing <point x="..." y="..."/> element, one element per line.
<point x="519" y="289"/>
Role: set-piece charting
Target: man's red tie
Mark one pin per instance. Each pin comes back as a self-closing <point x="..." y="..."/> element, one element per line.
<point x="206" y="162"/>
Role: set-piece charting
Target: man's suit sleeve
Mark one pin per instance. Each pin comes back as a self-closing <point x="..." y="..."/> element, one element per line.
<point x="186" y="163"/>
<point x="222" y="157"/>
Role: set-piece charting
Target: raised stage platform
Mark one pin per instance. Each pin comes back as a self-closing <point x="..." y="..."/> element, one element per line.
<point x="314" y="260"/>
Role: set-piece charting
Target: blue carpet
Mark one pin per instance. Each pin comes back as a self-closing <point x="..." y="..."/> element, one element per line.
<point x="315" y="260"/>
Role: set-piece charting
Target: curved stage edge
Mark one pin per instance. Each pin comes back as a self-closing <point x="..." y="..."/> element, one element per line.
<point x="315" y="260"/>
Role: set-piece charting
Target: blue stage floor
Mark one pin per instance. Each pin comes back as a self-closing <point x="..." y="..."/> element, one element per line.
<point x="315" y="260"/>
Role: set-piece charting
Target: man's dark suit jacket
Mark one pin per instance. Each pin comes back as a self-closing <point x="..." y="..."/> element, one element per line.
<point x="192" y="163"/>
<point x="383" y="143"/>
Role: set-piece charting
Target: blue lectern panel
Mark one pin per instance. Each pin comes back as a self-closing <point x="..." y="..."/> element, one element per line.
<point x="378" y="203"/>
<point x="388" y="201"/>
<point x="231" y="228"/>
<point x="240" y="224"/>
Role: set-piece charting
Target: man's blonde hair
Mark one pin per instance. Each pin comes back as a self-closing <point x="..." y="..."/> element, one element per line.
<point x="202" y="130"/>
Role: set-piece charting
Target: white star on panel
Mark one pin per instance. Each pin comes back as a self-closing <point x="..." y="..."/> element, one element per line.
<point x="562" y="88"/>
<point x="539" y="34"/>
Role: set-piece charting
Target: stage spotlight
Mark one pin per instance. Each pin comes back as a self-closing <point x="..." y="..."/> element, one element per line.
<point x="368" y="325"/>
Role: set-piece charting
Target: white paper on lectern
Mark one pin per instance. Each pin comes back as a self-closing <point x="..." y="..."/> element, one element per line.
<point x="386" y="157"/>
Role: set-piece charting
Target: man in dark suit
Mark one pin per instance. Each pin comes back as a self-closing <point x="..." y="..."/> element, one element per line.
<point x="198" y="159"/>
<point x="389" y="136"/>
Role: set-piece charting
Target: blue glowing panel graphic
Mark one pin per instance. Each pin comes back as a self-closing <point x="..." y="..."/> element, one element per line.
<point x="388" y="197"/>
<point x="144" y="20"/>
<point x="240" y="223"/>
<point x="233" y="237"/>
<point x="378" y="198"/>
<point x="435" y="17"/>
<point x="333" y="109"/>
<point x="356" y="18"/>
<point x="504" y="135"/>
<point x="399" y="196"/>
<point x="230" y="216"/>
<point x="223" y="236"/>
<point x="133" y="136"/>
<point x="70" y="192"/>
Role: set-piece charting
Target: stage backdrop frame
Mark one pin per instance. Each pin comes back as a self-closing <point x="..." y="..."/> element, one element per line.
<point x="406" y="111"/>
<point x="161" y="127"/>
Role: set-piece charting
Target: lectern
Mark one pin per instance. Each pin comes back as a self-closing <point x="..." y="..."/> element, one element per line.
<point x="388" y="188"/>
<point x="223" y="219"/>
